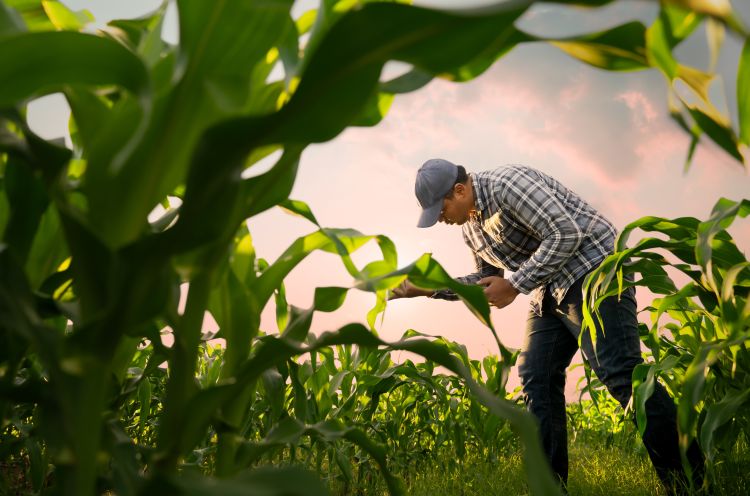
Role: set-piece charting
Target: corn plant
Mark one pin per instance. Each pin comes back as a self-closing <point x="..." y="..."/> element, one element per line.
<point x="298" y="414"/>
<point x="699" y="332"/>
<point x="88" y="281"/>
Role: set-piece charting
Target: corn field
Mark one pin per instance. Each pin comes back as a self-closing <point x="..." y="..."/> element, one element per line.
<point x="108" y="386"/>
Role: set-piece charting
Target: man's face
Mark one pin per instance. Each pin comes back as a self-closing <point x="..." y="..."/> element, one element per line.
<point x="457" y="206"/>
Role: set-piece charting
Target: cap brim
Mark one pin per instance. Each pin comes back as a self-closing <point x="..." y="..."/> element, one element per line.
<point x="430" y="215"/>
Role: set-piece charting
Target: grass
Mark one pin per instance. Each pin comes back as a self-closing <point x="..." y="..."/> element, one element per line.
<point x="594" y="470"/>
<point x="598" y="467"/>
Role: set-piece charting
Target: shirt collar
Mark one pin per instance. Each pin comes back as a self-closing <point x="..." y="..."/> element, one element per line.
<point x="480" y="200"/>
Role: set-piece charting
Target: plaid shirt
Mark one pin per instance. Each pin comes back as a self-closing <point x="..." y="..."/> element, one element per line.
<point x="532" y="225"/>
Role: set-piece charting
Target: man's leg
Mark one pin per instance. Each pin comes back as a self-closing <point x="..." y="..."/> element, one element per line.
<point x="547" y="352"/>
<point x="613" y="357"/>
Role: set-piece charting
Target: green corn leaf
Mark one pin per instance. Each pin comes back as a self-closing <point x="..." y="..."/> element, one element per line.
<point x="321" y="240"/>
<point x="10" y="21"/>
<point x="65" y="19"/>
<point x="289" y="51"/>
<point x="666" y="32"/>
<point x="336" y="381"/>
<point x="300" y="394"/>
<point x="719" y="9"/>
<point x="722" y="216"/>
<point x="743" y="93"/>
<point x="273" y="187"/>
<point x="693" y="388"/>
<point x="411" y="81"/>
<point x="215" y="66"/>
<point x="28" y="202"/>
<point x="715" y="33"/>
<point x="144" y="400"/>
<point x="268" y="481"/>
<point x="343" y="70"/>
<point x="694" y="140"/>
<point x="37" y="464"/>
<point x="358" y="334"/>
<point x="719" y="414"/>
<point x="90" y="113"/>
<point x="680" y="228"/>
<point x="203" y="407"/>
<point x="709" y="7"/>
<point x="282" y="308"/>
<point x="619" y="49"/>
<point x="318" y="22"/>
<point x="720" y="133"/>
<point x="68" y="59"/>
<point x="427" y="273"/>
<point x="126" y="477"/>
<point x="289" y="431"/>
<point x="643" y="388"/>
<point x="299" y="208"/>
<point x="274" y="387"/>
<point x="243" y="256"/>
<point x="737" y="275"/>
<point x="680" y="22"/>
<point x="48" y="249"/>
<point x="583" y="3"/>
<point x="343" y="462"/>
<point x="142" y="35"/>
<point x="32" y="12"/>
<point x="299" y="324"/>
<point x="374" y="110"/>
<point x="235" y="311"/>
<point x="19" y="309"/>
<point x="329" y="299"/>
<point x="207" y="30"/>
<point x="209" y="189"/>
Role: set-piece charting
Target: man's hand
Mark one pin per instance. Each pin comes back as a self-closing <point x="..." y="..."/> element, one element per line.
<point x="408" y="290"/>
<point x="498" y="291"/>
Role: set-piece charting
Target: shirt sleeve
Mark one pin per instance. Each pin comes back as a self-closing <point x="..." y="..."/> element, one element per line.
<point x="483" y="270"/>
<point x="530" y="200"/>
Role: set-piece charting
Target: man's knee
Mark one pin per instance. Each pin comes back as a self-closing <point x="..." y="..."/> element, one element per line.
<point x="622" y="393"/>
<point x="540" y="385"/>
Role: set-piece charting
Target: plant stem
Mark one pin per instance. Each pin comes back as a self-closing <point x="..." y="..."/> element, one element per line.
<point x="181" y="384"/>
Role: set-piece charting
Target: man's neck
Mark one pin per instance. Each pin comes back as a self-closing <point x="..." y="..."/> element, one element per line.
<point x="474" y="211"/>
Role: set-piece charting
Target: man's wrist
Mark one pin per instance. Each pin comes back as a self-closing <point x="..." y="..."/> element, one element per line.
<point x="513" y="283"/>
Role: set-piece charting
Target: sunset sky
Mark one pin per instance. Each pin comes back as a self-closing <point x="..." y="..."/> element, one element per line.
<point x="607" y="136"/>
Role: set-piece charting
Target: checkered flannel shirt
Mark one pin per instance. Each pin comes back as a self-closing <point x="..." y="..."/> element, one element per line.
<point x="529" y="223"/>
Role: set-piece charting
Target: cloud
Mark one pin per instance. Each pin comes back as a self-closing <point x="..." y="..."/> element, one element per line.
<point x="643" y="112"/>
<point x="573" y="93"/>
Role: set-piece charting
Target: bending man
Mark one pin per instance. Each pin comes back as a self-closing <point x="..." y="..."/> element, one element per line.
<point x="519" y="219"/>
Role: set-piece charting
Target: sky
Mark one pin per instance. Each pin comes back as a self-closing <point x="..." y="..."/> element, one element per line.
<point x="607" y="136"/>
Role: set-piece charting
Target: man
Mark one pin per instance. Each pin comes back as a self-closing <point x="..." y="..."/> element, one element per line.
<point x="519" y="219"/>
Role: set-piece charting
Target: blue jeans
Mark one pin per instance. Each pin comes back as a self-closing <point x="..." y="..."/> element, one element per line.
<point x="550" y="343"/>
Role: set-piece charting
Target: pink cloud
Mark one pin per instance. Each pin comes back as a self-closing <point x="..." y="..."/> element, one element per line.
<point x="573" y="93"/>
<point x="643" y="111"/>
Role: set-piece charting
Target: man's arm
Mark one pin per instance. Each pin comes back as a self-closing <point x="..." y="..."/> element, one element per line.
<point x="534" y="205"/>
<point x="484" y="270"/>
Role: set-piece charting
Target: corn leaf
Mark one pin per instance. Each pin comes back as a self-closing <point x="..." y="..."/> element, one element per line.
<point x="743" y="94"/>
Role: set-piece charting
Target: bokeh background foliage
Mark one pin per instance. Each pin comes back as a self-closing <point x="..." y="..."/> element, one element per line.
<point x="88" y="283"/>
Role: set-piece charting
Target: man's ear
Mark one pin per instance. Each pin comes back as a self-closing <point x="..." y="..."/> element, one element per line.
<point x="459" y="188"/>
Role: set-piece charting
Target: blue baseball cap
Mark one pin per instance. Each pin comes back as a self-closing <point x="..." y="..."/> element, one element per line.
<point x="435" y="179"/>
